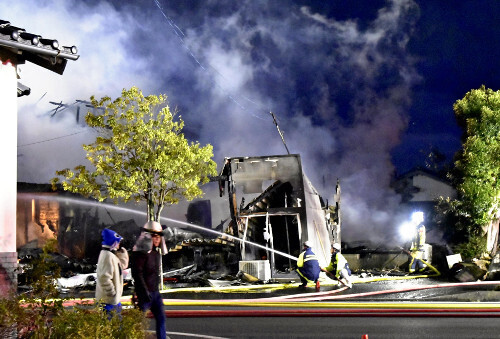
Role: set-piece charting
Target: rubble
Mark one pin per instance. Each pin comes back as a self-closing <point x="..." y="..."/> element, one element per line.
<point x="494" y="268"/>
<point x="466" y="272"/>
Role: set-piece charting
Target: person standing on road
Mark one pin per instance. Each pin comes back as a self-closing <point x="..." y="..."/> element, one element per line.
<point x="308" y="267"/>
<point x="146" y="262"/>
<point x="338" y="267"/>
<point x="110" y="265"/>
<point x="417" y="250"/>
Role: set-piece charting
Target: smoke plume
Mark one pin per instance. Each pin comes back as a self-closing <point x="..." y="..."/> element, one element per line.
<point x="339" y="88"/>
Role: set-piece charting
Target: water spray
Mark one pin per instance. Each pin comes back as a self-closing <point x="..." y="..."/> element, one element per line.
<point x="230" y="237"/>
<point x="125" y="209"/>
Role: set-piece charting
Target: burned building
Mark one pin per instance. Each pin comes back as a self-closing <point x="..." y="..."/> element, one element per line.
<point x="268" y="209"/>
<point x="274" y="208"/>
<point x="76" y="223"/>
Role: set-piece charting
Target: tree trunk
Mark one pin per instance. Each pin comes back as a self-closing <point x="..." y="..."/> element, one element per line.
<point x="151" y="207"/>
<point x="158" y="213"/>
<point x="492" y="236"/>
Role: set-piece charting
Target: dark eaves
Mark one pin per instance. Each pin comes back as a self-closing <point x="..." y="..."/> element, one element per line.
<point x="34" y="48"/>
<point x="22" y="90"/>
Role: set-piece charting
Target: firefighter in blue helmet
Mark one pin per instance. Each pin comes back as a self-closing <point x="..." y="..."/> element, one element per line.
<point x="417" y="250"/>
<point x="308" y="267"/>
<point x="338" y="267"/>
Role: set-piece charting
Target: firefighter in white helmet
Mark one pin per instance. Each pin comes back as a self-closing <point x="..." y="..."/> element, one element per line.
<point x="417" y="250"/>
<point x="308" y="267"/>
<point x="338" y="267"/>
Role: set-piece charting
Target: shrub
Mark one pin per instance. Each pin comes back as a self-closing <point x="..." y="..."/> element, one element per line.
<point x="474" y="248"/>
<point x="40" y="313"/>
<point x="9" y="311"/>
<point x="85" y="322"/>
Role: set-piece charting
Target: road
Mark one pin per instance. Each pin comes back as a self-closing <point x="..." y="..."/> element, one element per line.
<point x="396" y="309"/>
<point x="333" y="327"/>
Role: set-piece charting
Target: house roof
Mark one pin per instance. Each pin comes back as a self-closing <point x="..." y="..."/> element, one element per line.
<point x="34" y="48"/>
<point x="421" y="171"/>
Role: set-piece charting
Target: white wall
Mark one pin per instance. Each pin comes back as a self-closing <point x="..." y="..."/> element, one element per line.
<point x="431" y="189"/>
<point x="8" y="140"/>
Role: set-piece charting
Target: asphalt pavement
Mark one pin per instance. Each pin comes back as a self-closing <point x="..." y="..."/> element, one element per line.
<point x="393" y="308"/>
<point x="376" y="307"/>
<point x="404" y="289"/>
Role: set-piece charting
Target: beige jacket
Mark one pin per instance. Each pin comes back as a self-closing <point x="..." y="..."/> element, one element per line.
<point x="109" y="284"/>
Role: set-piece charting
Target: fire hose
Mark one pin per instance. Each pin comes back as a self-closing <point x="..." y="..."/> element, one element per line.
<point x="314" y="305"/>
<point x="322" y="304"/>
<point x="301" y="300"/>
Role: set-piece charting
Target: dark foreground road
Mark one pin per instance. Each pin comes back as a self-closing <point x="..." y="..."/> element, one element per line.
<point x="337" y="327"/>
<point x="439" y="311"/>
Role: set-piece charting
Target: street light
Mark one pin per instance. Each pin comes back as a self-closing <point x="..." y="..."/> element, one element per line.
<point x="417" y="217"/>
<point x="407" y="229"/>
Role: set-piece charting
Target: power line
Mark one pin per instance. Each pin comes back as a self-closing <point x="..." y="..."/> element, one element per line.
<point x="42" y="141"/>
<point x="60" y="106"/>
<point x="180" y="35"/>
<point x="178" y="32"/>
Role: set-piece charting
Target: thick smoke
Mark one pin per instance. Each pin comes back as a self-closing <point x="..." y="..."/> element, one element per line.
<point x="340" y="89"/>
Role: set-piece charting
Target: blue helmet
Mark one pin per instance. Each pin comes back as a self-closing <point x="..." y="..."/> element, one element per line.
<point x="109" y="237"/>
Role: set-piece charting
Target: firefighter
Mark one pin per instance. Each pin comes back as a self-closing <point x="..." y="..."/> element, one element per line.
<point x="308" y="267"/>
<point x="338" y="267"/>
<point x="417" y="250"/>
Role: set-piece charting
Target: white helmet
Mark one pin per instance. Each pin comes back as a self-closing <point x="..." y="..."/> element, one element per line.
<point x="307" y="243"/>
<point x="144" y="243"/>
<point x="153" y="227"/>
<point x="336" y="246"/>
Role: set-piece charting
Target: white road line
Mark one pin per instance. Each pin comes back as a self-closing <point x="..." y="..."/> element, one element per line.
<point x="195" y="335"/>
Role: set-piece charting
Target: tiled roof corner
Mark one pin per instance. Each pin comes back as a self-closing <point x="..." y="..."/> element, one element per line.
<point x="33" y="47"/>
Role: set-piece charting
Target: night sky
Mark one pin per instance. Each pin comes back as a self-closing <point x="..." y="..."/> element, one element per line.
<point x="361" y="89"/>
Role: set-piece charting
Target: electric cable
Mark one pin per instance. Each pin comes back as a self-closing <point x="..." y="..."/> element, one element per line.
<point x="47" y="140"/>
<point x="180" y="35"/>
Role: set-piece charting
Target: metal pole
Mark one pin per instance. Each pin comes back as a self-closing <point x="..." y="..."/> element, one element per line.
<point x="279" y="131"/>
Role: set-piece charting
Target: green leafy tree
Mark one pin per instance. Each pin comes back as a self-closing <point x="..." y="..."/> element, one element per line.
<point x="140" y="154"/>
<point x="436" y="161"/>
<point x="477" y="166"/>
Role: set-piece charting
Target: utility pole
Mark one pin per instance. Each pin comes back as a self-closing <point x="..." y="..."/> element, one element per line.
<point x="279" y="131"/>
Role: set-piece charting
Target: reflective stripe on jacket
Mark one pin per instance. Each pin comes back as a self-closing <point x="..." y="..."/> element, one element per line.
<point x="337" y="263"/>
<point x="308" y="265"/>
<point x="419" y="239"/>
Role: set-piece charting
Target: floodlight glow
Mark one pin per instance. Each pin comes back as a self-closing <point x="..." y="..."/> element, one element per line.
<point x="406" y="230"/>
<point x="417" y="217"/>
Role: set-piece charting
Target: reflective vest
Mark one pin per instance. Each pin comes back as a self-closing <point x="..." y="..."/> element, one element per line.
<point x="419" y="239"/>
<point x="337" y="263"/>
